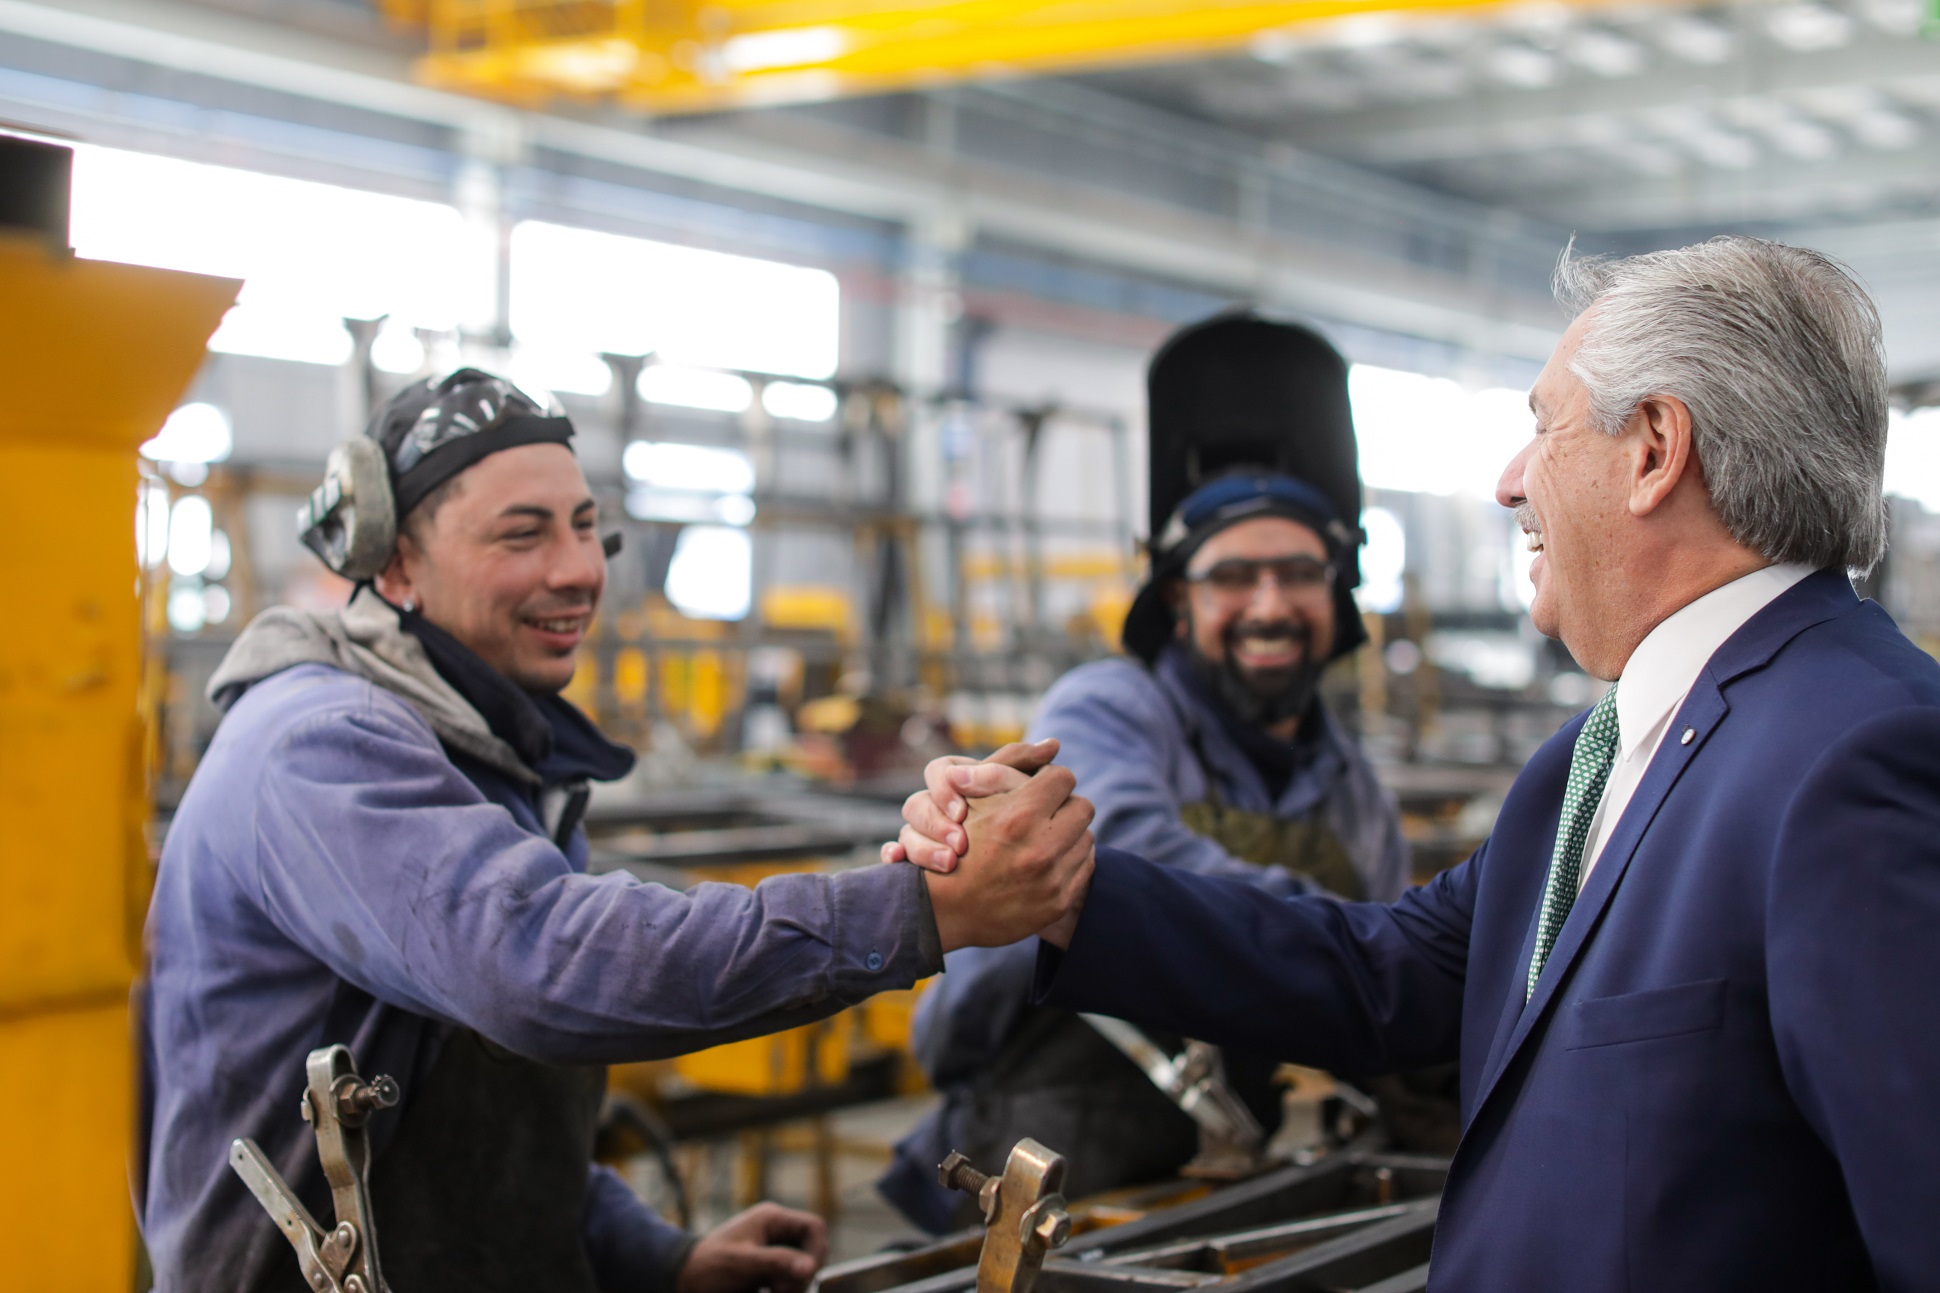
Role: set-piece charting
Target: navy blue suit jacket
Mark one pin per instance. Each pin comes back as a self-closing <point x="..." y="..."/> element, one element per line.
<point x="1729" y="1075"/>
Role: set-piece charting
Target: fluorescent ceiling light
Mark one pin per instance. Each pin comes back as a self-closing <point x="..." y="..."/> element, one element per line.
<point x="689" y="467"/>
<point x="1697" y="40"/>
<point x="786" y="48"/>
<point x="711" y="576"/>
<point x="1806" y="27"/>
<point x="798" y="401"/>
<point x="647" y="504"/>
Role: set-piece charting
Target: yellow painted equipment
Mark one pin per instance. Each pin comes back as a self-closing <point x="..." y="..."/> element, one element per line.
<point x="784" y="1063"/>
<point x="675" y="56"/>
<point x="93" y="356"/>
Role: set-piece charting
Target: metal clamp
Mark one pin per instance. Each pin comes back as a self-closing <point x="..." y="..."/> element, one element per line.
<point x="337" y="1104"/>
<point x="1023" y="1212"/>
<point x="1231" y="1139"/>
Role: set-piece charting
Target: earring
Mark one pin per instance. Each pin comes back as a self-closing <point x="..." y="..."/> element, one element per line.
<point x="410" y="605"/>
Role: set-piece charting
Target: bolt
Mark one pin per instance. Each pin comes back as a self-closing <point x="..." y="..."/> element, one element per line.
<point x="356" y="1100"/>
<point x="1053" y="1228"/>
<point x="956" y="1173"/>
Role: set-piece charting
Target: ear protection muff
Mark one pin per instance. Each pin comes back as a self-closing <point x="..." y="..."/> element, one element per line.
<point x="350" y="520"/>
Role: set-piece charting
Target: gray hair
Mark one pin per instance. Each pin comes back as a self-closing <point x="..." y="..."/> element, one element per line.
<point x="1776" y="351"/>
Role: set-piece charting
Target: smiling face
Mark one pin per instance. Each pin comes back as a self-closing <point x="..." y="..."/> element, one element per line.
<point x="1271" y="634"/>
<point x="509" y="563"/>
<point x="1569" y="487"/>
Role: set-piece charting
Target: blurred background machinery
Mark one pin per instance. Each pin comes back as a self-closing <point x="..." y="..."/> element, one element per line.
<point x="851" y="305"/>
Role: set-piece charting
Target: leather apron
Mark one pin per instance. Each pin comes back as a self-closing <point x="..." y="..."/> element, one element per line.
<point x="1420" y="1108"/>
<point x="483" y="1185"/>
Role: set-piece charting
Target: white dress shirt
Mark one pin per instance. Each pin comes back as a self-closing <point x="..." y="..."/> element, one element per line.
<point x="1658" y="676"/>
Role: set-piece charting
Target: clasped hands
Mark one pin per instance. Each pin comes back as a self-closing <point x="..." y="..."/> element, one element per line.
<point x="1006" y="844"/>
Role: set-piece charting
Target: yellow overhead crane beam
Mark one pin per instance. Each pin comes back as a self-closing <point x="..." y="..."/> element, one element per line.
<point x="679" y="56"/>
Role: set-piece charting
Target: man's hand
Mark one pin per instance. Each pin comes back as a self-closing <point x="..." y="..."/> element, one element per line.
<point x="766" y="1247"/>
<point x="1027" y="869"/>
<point x="935" y="838"/>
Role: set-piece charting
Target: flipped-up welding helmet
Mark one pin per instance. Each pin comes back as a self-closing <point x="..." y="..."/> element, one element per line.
<point x="1248" y="417"/>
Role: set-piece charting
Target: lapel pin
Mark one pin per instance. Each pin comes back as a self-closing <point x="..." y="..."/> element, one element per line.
<point x="1690" y="734"/>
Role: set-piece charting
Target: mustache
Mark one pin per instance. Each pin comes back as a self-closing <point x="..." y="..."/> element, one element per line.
<point x="1274" y="630"/>
<point x="1526" y="518"/>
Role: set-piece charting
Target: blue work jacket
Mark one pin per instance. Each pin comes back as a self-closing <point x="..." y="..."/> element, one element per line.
<point x="333" y="875"/>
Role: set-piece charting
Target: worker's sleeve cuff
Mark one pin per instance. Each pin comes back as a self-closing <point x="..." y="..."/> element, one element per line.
<point x="1049" y="958"/>
<point x="884" y="933"/>
<point x="629" y="1246"/>
<point x="1060" y="973"/>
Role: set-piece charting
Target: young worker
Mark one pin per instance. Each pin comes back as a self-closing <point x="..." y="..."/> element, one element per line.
<point x="382" y="849"/>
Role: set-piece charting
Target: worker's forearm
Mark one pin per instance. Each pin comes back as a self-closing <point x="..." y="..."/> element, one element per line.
<point x="615" y="971"/>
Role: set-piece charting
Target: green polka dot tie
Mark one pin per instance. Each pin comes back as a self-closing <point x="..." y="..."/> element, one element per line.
<point x="1596" y="750"/>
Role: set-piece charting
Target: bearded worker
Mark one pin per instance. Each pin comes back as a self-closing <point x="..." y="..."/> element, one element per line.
<point x="1205" y="748"/>
<point x="1689" y="976"/>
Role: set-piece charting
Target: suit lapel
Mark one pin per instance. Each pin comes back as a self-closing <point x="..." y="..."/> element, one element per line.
<point x="1703" y="709"/>
<point x="1813" y="600"/>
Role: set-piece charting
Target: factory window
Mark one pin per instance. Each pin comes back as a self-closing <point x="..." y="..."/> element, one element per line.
<point x="194" y="436"/>
<point x="688" y="483"/>
<point x="310" y="254"/>
<point x="695" y="388"/>
<point x="711" y="575"/>
<point x="1913" y="456"/>
<point x="1428" y="435"/>
<point x="577" y="293"/>
<point x="1383" y="561"/>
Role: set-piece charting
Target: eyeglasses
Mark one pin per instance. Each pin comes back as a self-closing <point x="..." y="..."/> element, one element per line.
<point x="1239" y="576"/>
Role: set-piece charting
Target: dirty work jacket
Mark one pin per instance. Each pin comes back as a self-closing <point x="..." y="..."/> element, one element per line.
<point x="333" y="876"/>
<point x="1725" y="1080"/>
<point x="1129" y="734"/>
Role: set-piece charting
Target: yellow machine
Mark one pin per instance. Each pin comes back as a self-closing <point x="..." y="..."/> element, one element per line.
<point x="92" y="358"/>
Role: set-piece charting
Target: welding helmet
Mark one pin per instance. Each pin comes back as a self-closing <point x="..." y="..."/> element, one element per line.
<point x="1248" y="417"/>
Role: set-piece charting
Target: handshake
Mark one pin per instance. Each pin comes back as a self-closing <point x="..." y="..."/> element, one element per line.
<point x="1006" y="845"/>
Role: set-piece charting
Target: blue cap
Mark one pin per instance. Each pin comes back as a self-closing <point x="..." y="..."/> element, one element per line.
<point x="1226" y="501"/>
<point x="1242" y="496"/>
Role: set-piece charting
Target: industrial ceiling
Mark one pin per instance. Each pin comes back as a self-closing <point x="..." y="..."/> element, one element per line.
<point x="1409" y="172"/>
<point x="1612" y="119"/>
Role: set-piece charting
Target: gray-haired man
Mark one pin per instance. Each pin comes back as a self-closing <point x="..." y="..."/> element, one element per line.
<point x="1688" y="978"/>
